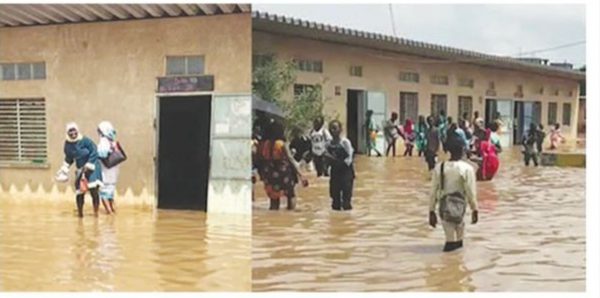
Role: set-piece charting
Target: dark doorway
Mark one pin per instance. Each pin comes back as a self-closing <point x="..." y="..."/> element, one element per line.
<point x="354" y="110"/>
<point x="526" y="112"/>
<point x="183" y="152"/>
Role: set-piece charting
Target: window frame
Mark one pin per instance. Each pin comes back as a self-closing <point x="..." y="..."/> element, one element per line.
<point x="568" y="115"/>
<point x="23" y="117"/>
<point x="186" y="60"/>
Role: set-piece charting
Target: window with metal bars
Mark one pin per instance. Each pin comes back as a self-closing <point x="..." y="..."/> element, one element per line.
<point x="439" y="79"/>
<point x="23" y="131"/>
<point x="185" y="65"/>
<point x="407" y="76"/>
<point x="465" y="105"/>
<point x="22" y="71"/>
<point x="356" y="71"/>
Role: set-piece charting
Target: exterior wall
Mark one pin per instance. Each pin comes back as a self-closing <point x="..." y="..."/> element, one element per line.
<point x="107" y="71"/>
<point x="381" y="73"/>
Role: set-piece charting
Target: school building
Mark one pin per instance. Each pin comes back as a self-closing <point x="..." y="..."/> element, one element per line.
<point x="172" y="78"/>
<point x="362" y="71"/>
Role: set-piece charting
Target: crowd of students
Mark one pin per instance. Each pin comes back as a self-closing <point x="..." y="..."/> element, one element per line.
<point x="472" y="146"/>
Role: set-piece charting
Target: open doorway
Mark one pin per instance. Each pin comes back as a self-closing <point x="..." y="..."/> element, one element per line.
<point x="355" y="112"/>
<point x="526" y="112"/>
<point x="183" y="152"/>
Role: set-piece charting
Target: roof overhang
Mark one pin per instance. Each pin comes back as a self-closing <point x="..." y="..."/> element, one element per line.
<point x="16" y="15"/>
<point x="323" y="32"/>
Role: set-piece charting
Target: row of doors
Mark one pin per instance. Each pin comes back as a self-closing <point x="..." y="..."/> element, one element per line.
<point x="515" y="116"/>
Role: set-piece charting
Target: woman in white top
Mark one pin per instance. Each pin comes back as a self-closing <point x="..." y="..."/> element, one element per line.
<point x="106" y="146"/>
<point x="458" y="179"/>
<point x="319" y="138"/>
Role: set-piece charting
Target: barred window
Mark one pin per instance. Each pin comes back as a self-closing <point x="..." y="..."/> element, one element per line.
<point x="185" y="65"/>
<point x="466" y="82"/>
<point x="260" y="60"/>
<point x="465" y="105"/>
<point x="23" y="130"/>
<point x="302" y="88"/>
<point x="439" y="80"/>
<point x="409" y="77"/>
<point x="22" y="71"/>
<point x="356" y="71"/>
<point x="309" y="65"/>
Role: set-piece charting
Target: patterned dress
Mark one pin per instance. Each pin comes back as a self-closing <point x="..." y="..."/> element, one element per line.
<point x="276" y="171"/>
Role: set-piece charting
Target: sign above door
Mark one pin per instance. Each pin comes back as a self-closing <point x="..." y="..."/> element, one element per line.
<point x="172" y="84"/>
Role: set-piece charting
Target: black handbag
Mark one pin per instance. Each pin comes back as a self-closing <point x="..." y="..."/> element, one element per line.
<point x="116" y="157"/>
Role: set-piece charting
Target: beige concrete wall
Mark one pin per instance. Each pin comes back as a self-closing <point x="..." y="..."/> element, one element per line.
<point x="381" y="73"/>
<point x="107" y="71"/>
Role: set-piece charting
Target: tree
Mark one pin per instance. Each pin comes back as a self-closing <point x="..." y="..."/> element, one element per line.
<point x="272" y="79"/>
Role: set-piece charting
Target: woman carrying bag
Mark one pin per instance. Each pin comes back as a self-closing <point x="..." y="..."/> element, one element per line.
<point x="111" y="154"/>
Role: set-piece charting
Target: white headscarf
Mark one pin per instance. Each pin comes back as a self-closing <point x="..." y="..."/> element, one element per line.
<point x="107" y="130"/>
<point x="73" y="125"/>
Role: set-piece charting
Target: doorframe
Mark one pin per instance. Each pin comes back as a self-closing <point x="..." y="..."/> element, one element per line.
<point x="358" y="125"/>
<point x="156" y="126"/>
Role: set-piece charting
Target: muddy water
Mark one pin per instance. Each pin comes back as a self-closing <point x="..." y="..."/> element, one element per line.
<point x="46" y="248"/>
<point x="531" y="234"/>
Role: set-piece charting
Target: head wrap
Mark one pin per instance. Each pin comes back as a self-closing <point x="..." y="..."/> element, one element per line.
<point x="107" y="130"/>
<point x="70" y="126"/>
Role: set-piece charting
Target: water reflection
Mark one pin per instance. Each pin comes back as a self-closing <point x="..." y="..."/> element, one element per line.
<point x="531" y="234"/>
<point x="45" y="247"/>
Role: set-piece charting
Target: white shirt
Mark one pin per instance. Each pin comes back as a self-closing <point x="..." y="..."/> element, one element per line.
<point x="459" y="176"/>
<point x="319" y="139"/>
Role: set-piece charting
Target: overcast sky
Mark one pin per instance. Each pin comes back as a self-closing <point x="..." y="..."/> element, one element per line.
<point x="494" y="29"/>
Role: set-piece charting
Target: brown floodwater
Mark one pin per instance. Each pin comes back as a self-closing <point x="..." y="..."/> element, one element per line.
<point x="531" y="234"/>
<point x="45" y="247"/>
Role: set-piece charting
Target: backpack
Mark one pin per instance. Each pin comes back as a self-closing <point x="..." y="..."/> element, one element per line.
<point x="453" y="205"/>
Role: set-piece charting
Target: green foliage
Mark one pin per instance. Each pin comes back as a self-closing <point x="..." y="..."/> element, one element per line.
<point x="300" y="112"/>
<point x="272" y="79"/>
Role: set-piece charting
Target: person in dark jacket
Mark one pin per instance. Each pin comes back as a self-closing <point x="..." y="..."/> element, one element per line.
<point x="82" y="151"/>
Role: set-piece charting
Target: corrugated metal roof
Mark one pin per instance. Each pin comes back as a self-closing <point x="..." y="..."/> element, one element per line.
<point x="14" y="15"/>
<point x="302" y="28"/>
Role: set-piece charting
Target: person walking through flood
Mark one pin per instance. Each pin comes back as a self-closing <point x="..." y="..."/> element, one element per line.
<point x="340" y="154"/>
<point x="433" y="142"/>
<point x="371" y="136"/>
<point x="392" y="134"/>
<point x="494" y="138"/>
<point x="107" y="147"/>
<point x="319" y="137"/>
<point x="82" y="151"/>
<point x="409" y="137"/>
<point x="301" y="147"/>
<point x="556" y="137"/>
<point x="489" y="162"/>
<point x="277" y="168"/>
<point x="529" y="143"/>
<point x="453" y="187"/>
<point x="540" y="138"/>
<point x="420" y="135"/>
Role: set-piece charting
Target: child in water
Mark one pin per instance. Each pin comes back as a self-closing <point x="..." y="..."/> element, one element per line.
<point x="556" y="137"/>
<point x="340" y="154"/>
<point x="456" y="178"/>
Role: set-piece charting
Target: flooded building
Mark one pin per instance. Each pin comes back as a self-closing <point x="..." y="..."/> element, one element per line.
<point x="172" y="78"/>
<point x="361" y="71"/>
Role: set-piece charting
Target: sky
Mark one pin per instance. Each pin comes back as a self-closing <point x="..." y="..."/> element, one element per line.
<point x="503" y="29"/>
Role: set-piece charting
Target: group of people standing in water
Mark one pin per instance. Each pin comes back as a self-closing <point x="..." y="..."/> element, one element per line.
<point x="473" y="149"/>
<point x="97" y="166"/>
